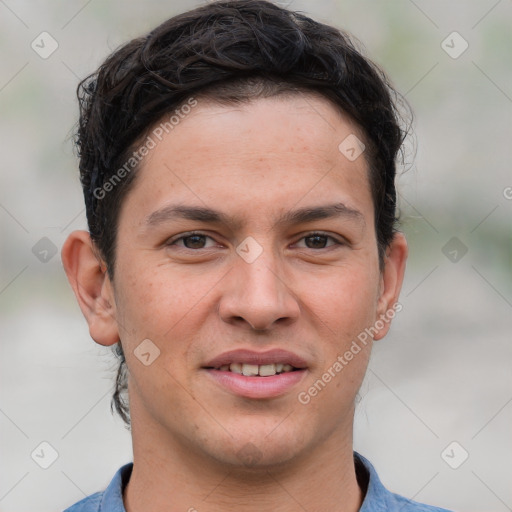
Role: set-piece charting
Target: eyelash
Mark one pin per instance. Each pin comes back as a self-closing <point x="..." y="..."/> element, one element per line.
<point x="336" y="241"/>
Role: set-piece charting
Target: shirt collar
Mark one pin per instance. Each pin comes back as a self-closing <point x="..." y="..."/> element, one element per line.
<point x="377" y="497"/>
<point x="112" y="500"/>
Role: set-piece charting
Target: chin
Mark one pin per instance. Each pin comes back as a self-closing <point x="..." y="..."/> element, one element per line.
<point x="259" y="450"/>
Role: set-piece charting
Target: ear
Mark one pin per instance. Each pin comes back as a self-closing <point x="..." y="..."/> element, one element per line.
<point x="392" y="276"/>
<point x="88" y="277"/>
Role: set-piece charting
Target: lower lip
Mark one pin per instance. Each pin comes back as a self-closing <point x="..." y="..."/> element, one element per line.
<point x="257" y="387"/>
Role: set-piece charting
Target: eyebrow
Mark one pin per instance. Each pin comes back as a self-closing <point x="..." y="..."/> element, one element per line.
<point x="210" y="216"/>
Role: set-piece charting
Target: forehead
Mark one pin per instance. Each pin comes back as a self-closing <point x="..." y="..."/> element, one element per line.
<point x="260" y="157"/>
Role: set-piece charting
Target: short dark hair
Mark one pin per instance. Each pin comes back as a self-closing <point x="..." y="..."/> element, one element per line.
<point x="229" y="52"/>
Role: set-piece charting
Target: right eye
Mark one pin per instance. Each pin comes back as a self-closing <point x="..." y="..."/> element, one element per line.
<point x="192" y="241"/>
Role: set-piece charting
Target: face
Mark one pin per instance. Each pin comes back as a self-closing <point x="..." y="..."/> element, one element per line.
<point x="247" y="244"/>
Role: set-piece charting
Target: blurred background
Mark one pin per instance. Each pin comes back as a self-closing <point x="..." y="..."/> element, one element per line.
<point x="435" y="411"/>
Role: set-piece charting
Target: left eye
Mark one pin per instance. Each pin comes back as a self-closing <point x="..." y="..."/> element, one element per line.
<point x="318" y="241"/>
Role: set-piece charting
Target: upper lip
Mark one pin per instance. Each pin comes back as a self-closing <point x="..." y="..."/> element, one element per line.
<point x="248" y="356"/>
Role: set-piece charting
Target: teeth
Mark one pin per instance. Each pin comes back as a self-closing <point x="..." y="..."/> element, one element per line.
<point x="266" y="370"/>
<point x="236" y="368"/>
<point x="251" y="370"/>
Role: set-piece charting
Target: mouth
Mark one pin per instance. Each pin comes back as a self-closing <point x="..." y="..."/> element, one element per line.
<point x="257" y="375"/>
<point x="255" y="370"/>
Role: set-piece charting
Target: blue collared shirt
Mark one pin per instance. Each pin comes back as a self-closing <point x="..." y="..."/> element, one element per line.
<point x="377" y="499"/>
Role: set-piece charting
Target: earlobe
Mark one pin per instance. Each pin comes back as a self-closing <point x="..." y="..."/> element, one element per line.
<point x="90" y="282"/>
<point x="391" y="282"/>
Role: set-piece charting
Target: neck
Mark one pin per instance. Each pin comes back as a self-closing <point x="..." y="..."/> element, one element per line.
<point x="169" y="476"/>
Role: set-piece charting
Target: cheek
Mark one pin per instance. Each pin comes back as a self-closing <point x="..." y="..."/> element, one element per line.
<point x="166" y="308"/>
<point x="346" y="300"/>
<point x="143" y="310"/>
<point x="137" y="299"/>
<point x="152" y="298"/>
<point x="152" y="306"/>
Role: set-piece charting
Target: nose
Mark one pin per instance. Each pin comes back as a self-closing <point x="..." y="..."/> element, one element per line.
<point x="258" y="295"/>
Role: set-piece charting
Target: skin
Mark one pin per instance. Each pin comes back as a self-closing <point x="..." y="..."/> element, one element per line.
<point x="253" y="162"/>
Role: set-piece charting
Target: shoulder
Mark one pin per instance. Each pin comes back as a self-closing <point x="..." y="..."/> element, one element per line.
<point x="111" y="499"/>
<point x="90" y="504"/>
<point x="379" y="499"/>
<point x="400" y="503"/>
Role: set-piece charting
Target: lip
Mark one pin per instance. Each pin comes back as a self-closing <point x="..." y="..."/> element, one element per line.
<point x="256" y="387"/>
<point x="252" y="357"/>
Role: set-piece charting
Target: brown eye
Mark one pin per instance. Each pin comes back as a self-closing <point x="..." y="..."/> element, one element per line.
<point x="194" y="241"/>
<point x="318" y="241"/>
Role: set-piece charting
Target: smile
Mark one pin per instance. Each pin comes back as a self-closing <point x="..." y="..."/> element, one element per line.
<point x="258" y="375"/>
<point x="255" y="370"/>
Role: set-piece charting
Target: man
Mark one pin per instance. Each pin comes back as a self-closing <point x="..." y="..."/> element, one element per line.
<point x="238" y="168"/>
